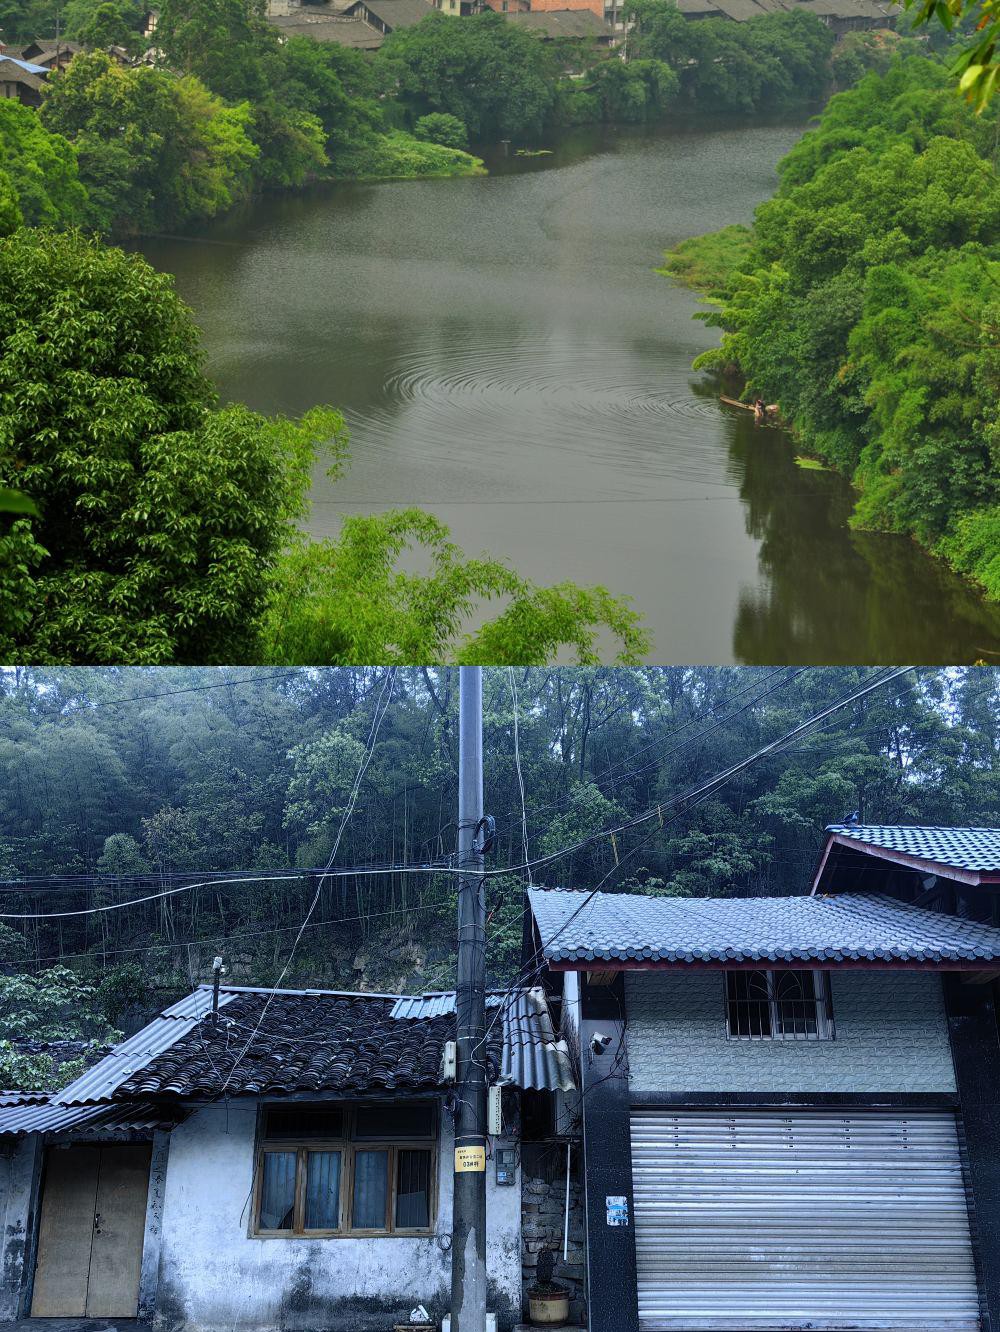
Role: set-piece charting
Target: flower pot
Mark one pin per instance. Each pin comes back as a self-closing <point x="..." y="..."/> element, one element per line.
<point x="548" y="1306"/>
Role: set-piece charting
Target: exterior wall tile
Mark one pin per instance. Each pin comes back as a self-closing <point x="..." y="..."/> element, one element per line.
<point x="891" y="1036"/>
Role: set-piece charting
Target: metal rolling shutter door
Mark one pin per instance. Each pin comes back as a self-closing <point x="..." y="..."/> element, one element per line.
<point x="811" y="1219"/>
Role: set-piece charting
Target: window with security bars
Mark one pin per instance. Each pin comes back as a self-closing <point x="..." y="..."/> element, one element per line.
<point x="350" y="1169"/>
<point x="779" y="1006"/>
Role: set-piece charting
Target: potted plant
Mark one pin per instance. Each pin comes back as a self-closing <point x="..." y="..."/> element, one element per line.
<point x="548" y="1302"/>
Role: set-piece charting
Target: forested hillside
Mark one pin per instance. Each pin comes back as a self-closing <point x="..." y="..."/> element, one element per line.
<point x="121" y="784"/>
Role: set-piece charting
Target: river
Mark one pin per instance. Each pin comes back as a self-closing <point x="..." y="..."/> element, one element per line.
<point x="506" y="358"/>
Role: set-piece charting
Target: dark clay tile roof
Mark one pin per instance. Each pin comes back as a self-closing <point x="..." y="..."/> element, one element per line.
<point x="849" y="928"/>
<point x="975" y="849"/>
<point x="395" y="13"/>
<point x="304" y="1043"/>
<point x="562" y="23"/>
<point x="336" y="28"/>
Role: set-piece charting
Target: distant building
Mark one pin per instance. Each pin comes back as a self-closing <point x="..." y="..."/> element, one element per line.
<point x="325" y="23"/>
<point x="839" y="15"/>
<point x="386" y="16"/>
<point x="581" y="25"/>
<point x="21" y="81"/>
<point x="50" y="52"/>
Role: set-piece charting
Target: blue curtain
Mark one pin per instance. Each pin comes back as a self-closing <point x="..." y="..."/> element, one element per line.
<point x="322" y="1191"/>
<point x="370" y="1189"/>
<point x="277" y="1195"/>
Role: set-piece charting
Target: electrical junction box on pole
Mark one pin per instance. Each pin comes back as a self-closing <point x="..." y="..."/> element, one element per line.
<point x="494" y="1111"/>
<point x="449" y="1061"/>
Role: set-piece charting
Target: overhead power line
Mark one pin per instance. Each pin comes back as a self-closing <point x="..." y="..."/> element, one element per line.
<point x="655" y="812"/>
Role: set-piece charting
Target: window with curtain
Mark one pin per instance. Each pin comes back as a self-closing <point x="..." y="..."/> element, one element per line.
<point x="347" y="1169"/>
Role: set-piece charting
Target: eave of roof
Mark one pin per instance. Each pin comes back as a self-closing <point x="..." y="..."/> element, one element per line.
<point x="602" y="931"/>
<point x="17" y="1121"/>
<point x="857" y="839"/>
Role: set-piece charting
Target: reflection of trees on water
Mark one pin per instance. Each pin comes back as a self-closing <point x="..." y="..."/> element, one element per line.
<point x="824" y="589"/>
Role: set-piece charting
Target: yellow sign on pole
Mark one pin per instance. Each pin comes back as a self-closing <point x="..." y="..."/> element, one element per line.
<point x="469" y="1158"/>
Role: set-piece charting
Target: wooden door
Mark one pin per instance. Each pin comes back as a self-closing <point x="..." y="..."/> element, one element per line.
<point x="65" y="1232"/>
<point x="90" y="1232"/>
<point x="119" y="1224"/>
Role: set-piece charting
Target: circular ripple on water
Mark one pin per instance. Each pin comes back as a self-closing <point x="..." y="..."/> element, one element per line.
<point x="623" y="405"/>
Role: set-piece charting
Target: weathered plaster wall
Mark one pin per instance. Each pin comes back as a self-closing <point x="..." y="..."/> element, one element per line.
<point x="214" y="1277"/>
<point x="891" y="1036"/>
<point x="18" y="1180"/>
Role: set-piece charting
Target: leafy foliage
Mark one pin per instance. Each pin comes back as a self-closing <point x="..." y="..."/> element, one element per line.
<point x="256" y="774"/>
<point x="348" y="600"/>
<point x="866" y="306"/>
<point x="39" y="179"/>
<point x="154" y="151"/>
<point x="161" y="514"/>
<point x="766" y="62"/>
<point x="490" y="74"/>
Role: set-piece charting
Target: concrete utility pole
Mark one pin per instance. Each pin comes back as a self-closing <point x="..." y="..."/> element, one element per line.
<point x="468" y="1249"/>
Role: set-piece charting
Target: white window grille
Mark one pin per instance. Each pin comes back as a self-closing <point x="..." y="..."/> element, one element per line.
<point x="779" y="1006"/>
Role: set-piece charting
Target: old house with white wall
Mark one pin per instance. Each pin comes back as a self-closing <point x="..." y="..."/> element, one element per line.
<point x="284" y="1163"/>
<point x="791" y="1106"/>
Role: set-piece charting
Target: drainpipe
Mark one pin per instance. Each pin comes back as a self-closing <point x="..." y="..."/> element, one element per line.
<point x="566" y="1216"/>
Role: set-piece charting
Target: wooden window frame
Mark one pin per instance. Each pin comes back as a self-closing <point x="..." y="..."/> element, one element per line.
<point x="348" y="1145"/>
<point x="822" y="1001"/>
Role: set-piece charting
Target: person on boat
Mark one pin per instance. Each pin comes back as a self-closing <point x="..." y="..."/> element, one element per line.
<point x="759" y="410"/>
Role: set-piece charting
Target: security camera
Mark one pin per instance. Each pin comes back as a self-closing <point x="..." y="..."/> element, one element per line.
<point x="599" y="1042"/>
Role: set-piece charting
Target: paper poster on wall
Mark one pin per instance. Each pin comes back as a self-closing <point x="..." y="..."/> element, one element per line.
<point x="617" y="1210"/>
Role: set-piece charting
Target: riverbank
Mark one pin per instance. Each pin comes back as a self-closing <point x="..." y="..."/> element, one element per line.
<point x="865" y="317"/>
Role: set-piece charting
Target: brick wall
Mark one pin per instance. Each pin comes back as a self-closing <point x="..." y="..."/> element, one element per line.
<point x="543" y="1206"/>
<point x="891" y="1035"/>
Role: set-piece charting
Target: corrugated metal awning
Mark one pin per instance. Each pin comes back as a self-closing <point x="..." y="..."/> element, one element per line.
<point x="532" y="1055"/>
<point x="99" y="1083"/>
<point x="17" y="1121"/>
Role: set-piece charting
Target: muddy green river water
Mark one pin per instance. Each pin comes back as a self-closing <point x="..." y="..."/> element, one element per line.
<point x="506" y="358"/>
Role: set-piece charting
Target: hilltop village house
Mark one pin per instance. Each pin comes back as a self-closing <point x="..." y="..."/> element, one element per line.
<point x="717" y="1115"/>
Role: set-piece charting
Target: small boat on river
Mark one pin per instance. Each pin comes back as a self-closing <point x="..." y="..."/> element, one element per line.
<point x="770" y="410"/>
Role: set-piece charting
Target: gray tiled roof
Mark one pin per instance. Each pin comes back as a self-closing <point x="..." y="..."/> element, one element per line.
<point x="976" y="849"/>
<point x="395" y="13"/>
<point x="625" y="927"/>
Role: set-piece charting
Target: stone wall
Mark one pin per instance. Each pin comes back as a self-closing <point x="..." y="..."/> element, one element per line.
<point x="543" y="1207"/>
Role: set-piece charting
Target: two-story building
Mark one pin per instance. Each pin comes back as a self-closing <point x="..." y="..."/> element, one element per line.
<point x="791" y="1106"/>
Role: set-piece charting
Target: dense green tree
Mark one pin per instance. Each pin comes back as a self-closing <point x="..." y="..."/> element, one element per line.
<point x="768" y="61"/>
<point x="227" y="44"/>
<point x="439" y="127"/>
<point x="161" y="515"/>
<point x="154" y="150"/>
<point x="120" y="21"/>
<point x="108" y="23"/>
<point x="491" y="75"/>
<point x="39" y="178"/>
